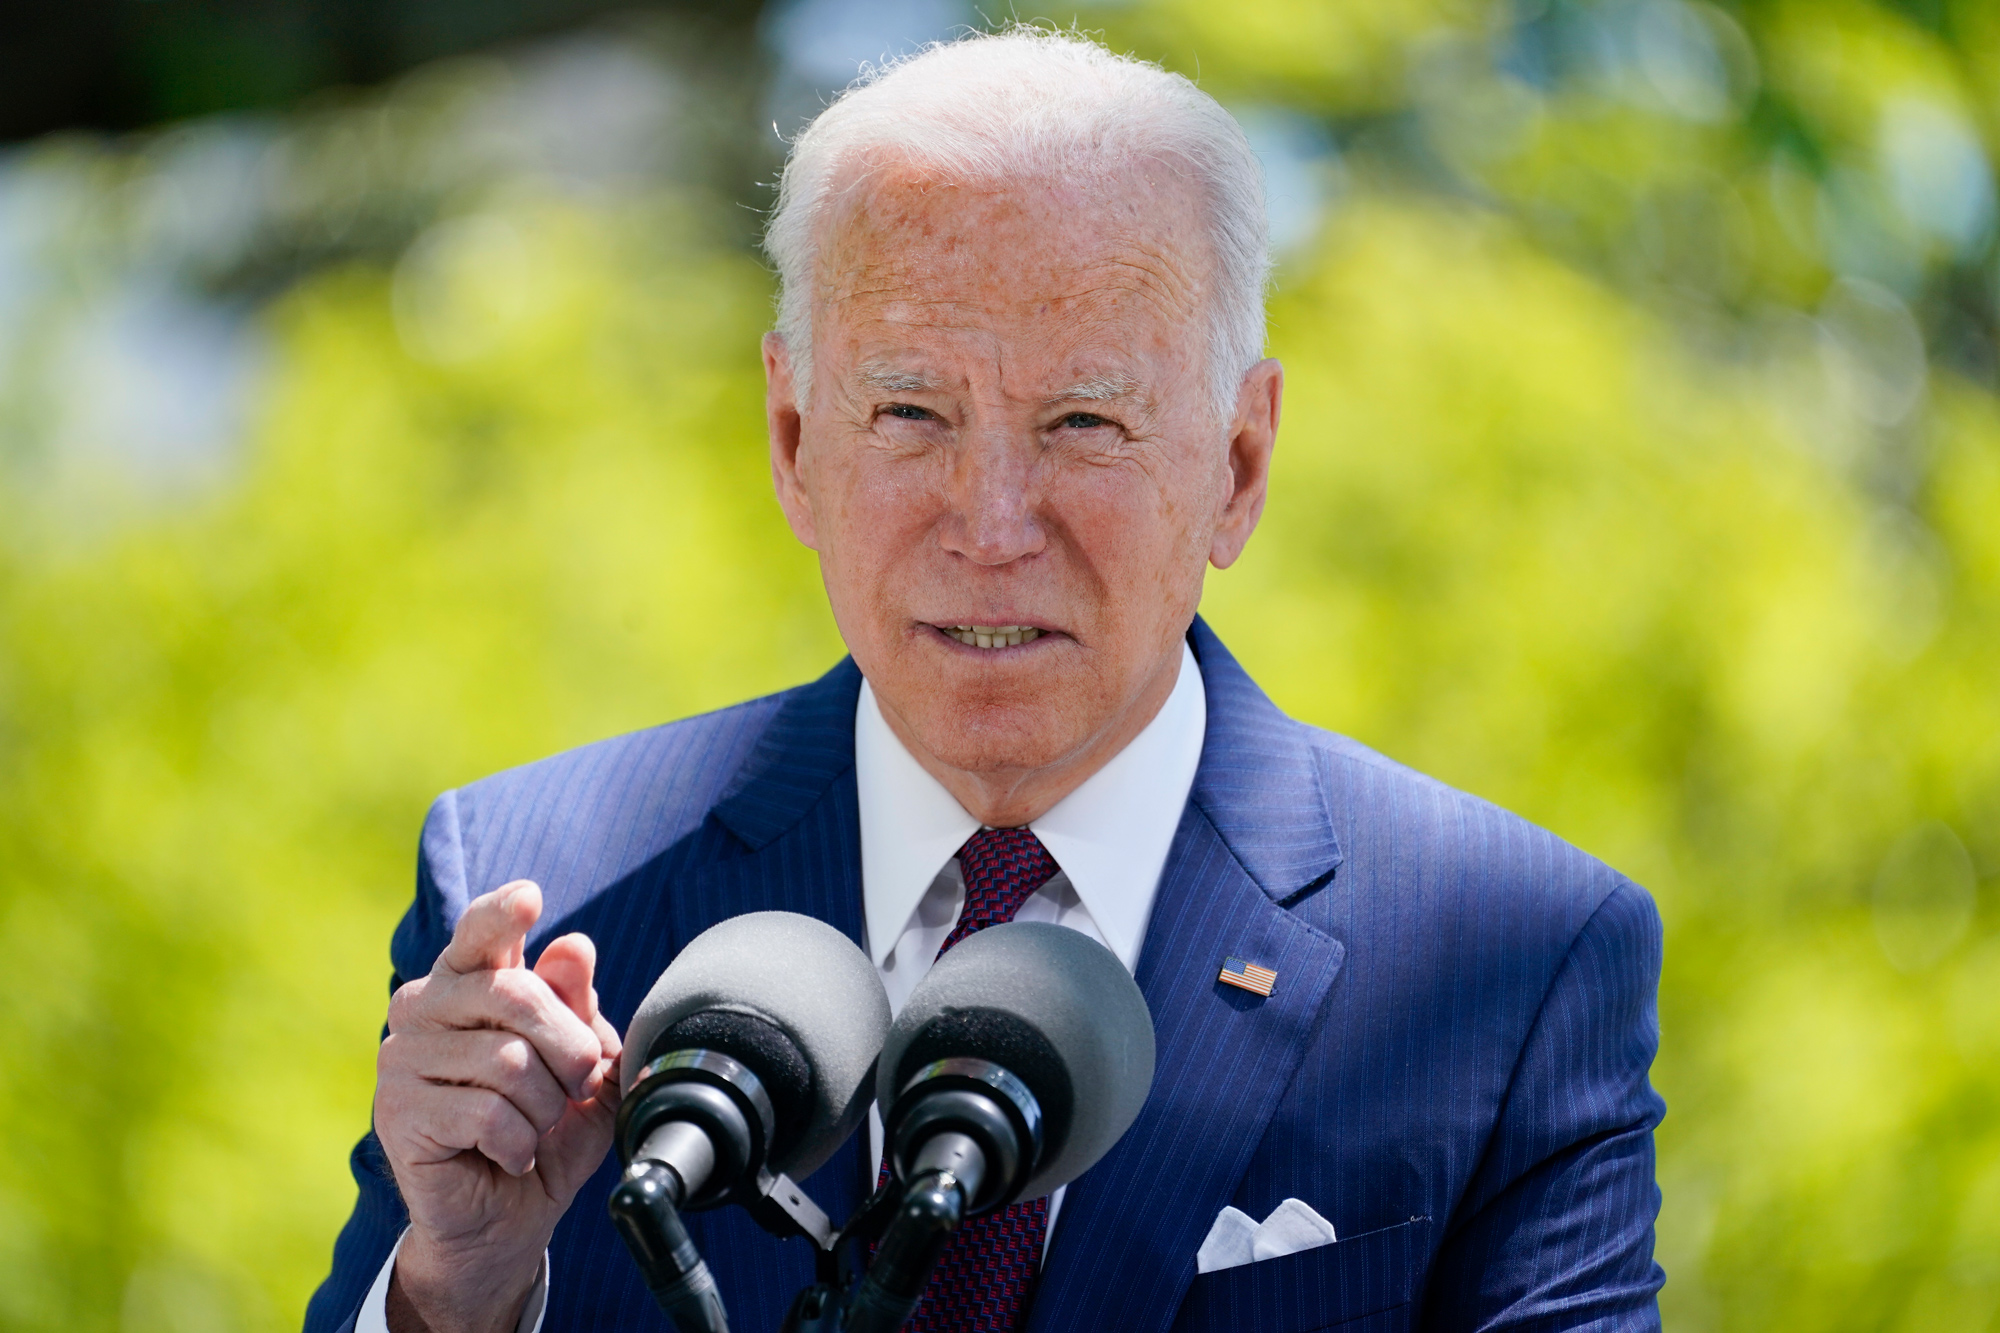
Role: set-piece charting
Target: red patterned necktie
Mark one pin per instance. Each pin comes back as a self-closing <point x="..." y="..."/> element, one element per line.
<point x="987" y="1270"/>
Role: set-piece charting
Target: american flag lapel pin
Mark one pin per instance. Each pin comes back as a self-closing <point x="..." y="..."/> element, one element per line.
<point x="1247" y="976"/>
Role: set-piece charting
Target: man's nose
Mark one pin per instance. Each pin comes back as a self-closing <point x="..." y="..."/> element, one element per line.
<point x="992" y="520"/>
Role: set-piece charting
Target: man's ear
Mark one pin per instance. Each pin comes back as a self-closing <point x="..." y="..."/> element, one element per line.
<point x="786" y="426"/>
<point x="1253" y="433"/>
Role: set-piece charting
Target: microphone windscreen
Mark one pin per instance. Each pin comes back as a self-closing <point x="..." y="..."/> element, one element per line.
<point x="1058" y="1011"/>
<point x="786" y="972"/>
<point x="758" y="1045"/>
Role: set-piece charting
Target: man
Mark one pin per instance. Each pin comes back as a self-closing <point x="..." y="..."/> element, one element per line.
<point x="1016" y="404"/>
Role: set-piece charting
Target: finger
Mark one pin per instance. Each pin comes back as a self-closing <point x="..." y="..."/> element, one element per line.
<point x="610" y="1093"/>
<point x="571" y="1151"/>
<point x="502" y="1062"/>
<point x="607" y="1069"/>
<point x="510" y="999"/>
<point x="607" y="1035"/>
<point x="493" y="930"/>
<point x="431" y="1123"/>
<point x="567" y="965"/>
<point x="515" y="1000"/>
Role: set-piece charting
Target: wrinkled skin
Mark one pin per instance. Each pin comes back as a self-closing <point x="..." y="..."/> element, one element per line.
<point x="1011" y="423"/>
<point x="495" y="1095"/>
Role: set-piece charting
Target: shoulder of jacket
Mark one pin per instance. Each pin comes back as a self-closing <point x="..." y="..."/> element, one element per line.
<point x="685" y="751"/>
<point x="594" y="812"/>
<point x="1467" y="845"/>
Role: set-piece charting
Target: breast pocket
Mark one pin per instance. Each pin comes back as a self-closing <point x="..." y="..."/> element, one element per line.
<point x="1358" y="1285"/>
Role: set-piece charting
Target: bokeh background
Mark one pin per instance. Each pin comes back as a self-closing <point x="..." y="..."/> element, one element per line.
<point x="379" y="406"/>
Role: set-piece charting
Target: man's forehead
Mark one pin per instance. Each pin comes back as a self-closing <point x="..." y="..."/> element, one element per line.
<point x="937" y="249"/>
<point x="887" y="190"/>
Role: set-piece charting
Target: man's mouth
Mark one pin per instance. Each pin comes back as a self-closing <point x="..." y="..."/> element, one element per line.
<point x="992" y="636"/>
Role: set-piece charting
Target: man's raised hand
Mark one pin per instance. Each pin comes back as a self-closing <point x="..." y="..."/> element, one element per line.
<point x="495" y="1094"/>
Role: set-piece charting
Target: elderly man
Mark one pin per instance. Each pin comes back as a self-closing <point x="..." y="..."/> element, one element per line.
<point x="1017" y="405"/>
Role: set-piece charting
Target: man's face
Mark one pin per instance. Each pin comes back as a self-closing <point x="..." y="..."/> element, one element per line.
<point x="1011" y="425"/>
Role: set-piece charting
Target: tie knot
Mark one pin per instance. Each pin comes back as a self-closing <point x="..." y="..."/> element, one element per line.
<point x="1002" y="867"/>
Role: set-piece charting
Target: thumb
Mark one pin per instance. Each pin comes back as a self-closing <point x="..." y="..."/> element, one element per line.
<point x="493" y="930"/>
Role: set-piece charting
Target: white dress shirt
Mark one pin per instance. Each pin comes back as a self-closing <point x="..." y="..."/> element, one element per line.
<point x="374" y="1316"/>
<point x="1109" y="837"/>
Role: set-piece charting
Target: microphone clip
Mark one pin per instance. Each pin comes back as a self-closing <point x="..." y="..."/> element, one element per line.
<point x="963" y="1138"/>
<point x="779" y="1206"/>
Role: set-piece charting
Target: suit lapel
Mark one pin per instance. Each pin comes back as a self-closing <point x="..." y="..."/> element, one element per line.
<point x="1255" y="835"/>
<point x="794" y="807"/>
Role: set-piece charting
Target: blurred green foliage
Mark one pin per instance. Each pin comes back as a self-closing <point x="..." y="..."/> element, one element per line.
<point x="1640" y="471"/>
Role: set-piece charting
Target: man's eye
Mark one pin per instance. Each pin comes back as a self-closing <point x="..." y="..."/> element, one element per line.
<point x="907" y="412"/>
<point x="1083" y="421"/>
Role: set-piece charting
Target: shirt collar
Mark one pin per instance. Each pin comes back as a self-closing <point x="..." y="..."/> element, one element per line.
<point x="1111" y="835"/>
<point x="910" y="826"/>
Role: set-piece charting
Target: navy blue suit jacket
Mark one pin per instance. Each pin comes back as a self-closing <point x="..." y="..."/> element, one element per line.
<point x="1452" y="1068"/>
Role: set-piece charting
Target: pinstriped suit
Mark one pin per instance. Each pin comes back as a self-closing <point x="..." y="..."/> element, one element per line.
<point x="1453" y="1067"/>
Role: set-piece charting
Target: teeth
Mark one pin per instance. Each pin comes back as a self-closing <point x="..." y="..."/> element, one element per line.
<point x="992" y="636"/>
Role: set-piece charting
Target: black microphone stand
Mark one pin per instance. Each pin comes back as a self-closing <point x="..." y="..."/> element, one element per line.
<point x="693" y="1133"/>
<point x="933" y="1205"/>
<point x="964" y="1137"/>
<point x="645" y="1207"/>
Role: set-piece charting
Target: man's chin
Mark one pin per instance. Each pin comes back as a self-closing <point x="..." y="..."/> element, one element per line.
<point x="975" y="732"/>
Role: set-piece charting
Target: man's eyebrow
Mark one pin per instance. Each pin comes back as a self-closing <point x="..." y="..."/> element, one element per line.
<point x="1097" y="389"/>
<point x="886" y="380"/>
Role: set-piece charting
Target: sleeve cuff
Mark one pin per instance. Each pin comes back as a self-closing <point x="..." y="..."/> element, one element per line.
<point x="374" y="1316"/>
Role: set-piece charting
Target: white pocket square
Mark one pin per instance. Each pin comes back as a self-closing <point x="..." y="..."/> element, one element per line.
<point x="1235" y="1239"/>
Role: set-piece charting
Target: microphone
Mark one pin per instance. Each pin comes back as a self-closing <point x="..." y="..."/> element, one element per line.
<point x="1020" y="1059"/>
<point x="747" y="1063"/>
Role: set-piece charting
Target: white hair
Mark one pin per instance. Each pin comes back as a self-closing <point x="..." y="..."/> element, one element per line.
<point x="1028" y="103"/>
